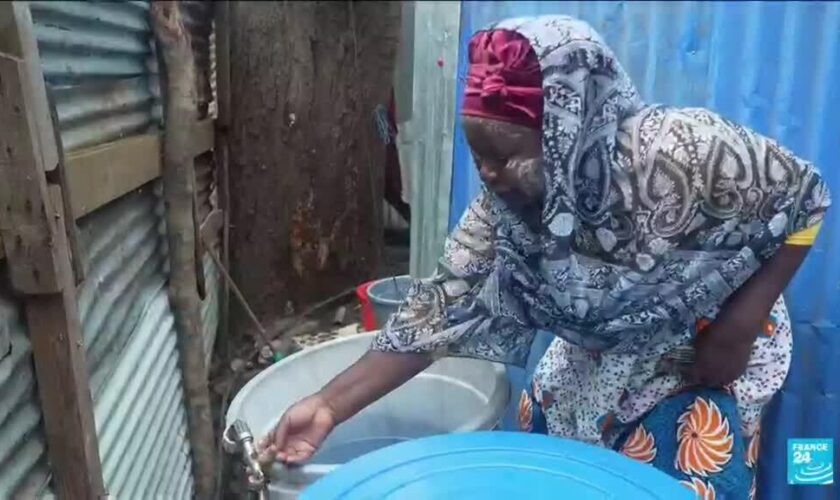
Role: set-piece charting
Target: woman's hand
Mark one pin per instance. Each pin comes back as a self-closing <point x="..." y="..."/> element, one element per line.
<point x="300" y="432"/>
<point x="304" y="426"/>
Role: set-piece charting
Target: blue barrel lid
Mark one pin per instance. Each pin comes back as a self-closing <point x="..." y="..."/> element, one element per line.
<point x="495" y="465"/>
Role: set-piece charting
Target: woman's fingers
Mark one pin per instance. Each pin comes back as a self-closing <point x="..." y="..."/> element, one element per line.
<point x="281" y="432"/>
<point x="272" y="443"/>
<point x="299" y="452"/>
<point x="266" y="455"/>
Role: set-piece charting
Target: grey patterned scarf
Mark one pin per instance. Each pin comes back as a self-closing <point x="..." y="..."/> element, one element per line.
<point x="653" y="216"/>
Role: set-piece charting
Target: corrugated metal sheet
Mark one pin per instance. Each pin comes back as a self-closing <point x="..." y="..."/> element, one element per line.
<point x="425" y="141"/>
<point x="140" y="417"/>
<point x="198" y="19"/>
<point x="207" y="197"/>
<point x="772" y="66"/>
<point x="97" y="57"/>
<point x="132" y="348"/>
<point x="123" y="255"/>
<point x="199" y="22"/>
<point x="210" y="305"/>
<point x="23" y="459"/>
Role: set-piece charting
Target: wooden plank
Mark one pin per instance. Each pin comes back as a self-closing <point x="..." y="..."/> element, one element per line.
<point x="27" y="221"/>
<point x="98" y="175"/>
<point x="61" y="369"/>
<point x="17" y="38"/>
<point x="101" y="174"/>
<point x="71" y="230"/>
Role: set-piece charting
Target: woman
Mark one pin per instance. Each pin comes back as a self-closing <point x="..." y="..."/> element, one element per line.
<point x="653" y="242"/>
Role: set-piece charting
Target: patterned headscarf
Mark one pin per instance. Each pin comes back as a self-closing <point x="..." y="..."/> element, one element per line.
<point x="652" y="217"/>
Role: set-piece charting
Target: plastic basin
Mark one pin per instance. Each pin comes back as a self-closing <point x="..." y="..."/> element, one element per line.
<point x="453" y="395"/>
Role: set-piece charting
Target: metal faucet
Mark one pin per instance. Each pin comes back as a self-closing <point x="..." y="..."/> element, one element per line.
<point x="238" y="439"/>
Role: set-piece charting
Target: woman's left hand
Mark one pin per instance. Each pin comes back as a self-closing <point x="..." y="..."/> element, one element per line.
<point x="722" y="350"/>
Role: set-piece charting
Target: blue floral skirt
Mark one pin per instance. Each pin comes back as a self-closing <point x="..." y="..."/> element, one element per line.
<point x="694" y="436"/>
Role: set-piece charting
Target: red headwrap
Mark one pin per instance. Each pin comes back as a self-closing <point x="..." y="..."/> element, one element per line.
<point x="504" y="80"/>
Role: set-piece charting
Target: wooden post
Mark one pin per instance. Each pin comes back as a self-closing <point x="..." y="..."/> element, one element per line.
<point x="17" y="39"/>
<point x="181" y="110"/>
<point x="35" y="240"/>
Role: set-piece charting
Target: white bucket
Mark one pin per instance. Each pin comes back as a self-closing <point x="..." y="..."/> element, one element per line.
<point x="453" y="395"/>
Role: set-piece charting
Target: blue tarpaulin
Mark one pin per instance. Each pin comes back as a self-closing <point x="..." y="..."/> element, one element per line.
<point x="775" y="67"/>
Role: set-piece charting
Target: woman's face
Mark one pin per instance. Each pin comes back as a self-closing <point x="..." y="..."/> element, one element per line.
<point x="509" y="160"/>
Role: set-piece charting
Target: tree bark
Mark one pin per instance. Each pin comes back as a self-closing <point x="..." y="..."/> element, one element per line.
<point x="306" y="166"/>
<point x="181" y="113"/>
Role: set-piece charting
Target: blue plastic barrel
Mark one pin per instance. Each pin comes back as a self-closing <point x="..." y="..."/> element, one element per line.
<point x="496" y="465"/>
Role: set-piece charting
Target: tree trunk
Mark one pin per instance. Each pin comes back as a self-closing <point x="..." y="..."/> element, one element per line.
<point x="181" y="112"/>
<point x="306" y="175"/>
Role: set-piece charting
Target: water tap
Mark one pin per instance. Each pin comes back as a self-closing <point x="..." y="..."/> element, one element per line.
<point x="240" y="440"/>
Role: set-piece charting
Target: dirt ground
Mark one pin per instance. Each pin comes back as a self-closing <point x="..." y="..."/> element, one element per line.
<point x="238" y="359"/>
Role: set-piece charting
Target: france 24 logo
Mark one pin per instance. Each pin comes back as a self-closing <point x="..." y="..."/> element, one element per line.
<point x="810" y="461"/>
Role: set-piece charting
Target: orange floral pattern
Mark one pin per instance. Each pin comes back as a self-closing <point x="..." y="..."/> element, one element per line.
<point x="705" y="440"/>
<point x="752" y="449"/>
<point x="704" y="490"/>
<point x="752" y="489"/>
<point x="526" y="412"/>
<point x="640" y="445"/>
